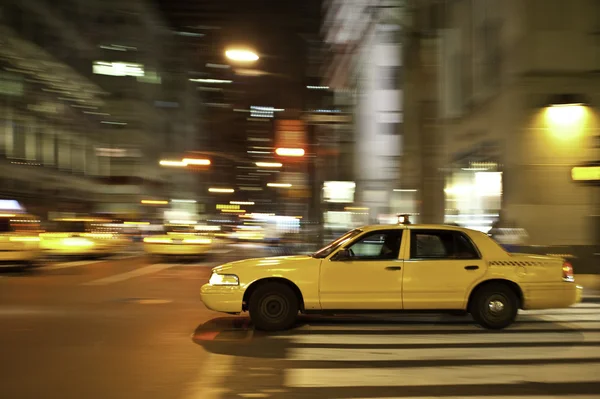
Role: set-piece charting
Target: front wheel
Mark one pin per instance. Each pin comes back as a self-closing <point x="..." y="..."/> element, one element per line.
<point x="494" y="306"/>
<point x="273" y="307"/>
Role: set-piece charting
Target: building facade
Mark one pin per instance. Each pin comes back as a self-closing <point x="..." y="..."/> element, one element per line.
<point x="89" y="103"/>
<point x="519" y="97"/>
<point x="366" y="74"/>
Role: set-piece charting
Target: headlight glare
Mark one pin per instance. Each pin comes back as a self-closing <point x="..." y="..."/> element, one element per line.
<point x="223" y="279"/>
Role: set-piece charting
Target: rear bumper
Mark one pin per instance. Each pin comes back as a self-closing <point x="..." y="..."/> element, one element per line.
<point x="579" y="294"/>
<point x="549" y="296"/>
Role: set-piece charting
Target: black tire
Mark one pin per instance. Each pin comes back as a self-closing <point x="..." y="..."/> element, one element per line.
<point x="494" y="306"/>
<point x="273" y="307"/>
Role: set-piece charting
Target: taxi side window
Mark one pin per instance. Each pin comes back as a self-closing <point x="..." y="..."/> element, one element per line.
<point x="441" y="244"/>
<point x="378" y="245"/>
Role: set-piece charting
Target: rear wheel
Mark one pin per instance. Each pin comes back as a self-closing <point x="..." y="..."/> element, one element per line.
<point x="273" y="307"/>
<point x="494" y="306"/>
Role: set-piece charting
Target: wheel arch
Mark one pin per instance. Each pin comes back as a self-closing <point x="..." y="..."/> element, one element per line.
<point x="254" y="285"/>
<point x="511" y="284"/>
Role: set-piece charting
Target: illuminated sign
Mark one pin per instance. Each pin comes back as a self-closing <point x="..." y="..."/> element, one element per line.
<point x="585" y="173"/>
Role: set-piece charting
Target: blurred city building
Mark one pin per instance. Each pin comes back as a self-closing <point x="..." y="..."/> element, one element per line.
<point x="365" y="72"/>
<point x="519" y="99"/>
<point x="91" y="100"/>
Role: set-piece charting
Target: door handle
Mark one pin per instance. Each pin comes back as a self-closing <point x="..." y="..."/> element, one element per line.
<point x="472" y="267"/>
<point x="393" y="268"/>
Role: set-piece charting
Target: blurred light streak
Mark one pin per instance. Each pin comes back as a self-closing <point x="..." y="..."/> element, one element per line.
<point x="184" y="201"/>
<point x="218" y="81"/>
<point x="241" y="55"/>
<point x="241" y="202"/>
<point x="405" y="190"/>
<point x="317" y="87"/>
<point x="269" y="164"/>
<point x="196" y="162"/>
<point x="154" y="202"/>
<point x="179" y="164"/>
<point x="220" y="190"/>
<point x="279" y="185"/>
<point x="290" y="152"/>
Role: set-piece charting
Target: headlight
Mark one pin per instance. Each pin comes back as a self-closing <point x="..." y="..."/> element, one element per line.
<point x="224" y="279"/>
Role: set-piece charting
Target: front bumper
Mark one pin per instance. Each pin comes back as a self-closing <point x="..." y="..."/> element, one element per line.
<point x="176" y="249"/>
<point x="578" y="294"/>
<point x="222" y="298"/>
<point x="6" y="257"/>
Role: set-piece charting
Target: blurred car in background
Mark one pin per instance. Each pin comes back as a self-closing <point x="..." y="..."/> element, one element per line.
<point x="181" y="240"/>
<point x="81" y="236"/>
<point x="19" y="239"/>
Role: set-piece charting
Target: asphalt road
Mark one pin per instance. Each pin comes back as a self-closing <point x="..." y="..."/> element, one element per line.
<point x="126" y="328"/>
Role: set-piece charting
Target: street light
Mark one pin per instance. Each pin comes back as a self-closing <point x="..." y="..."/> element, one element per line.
<point x="241" y="55"/>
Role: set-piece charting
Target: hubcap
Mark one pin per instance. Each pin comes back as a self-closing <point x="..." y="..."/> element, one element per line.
<point x="496" y="306"/>
<point x="274" y="307"/>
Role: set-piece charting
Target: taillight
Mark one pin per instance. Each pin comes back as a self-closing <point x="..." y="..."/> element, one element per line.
<point x="567" y="272"/>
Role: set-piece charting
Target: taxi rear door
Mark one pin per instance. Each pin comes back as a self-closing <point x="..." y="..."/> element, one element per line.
<point x="440" y="267"/>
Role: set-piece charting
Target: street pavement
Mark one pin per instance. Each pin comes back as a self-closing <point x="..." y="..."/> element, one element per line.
<point x="128" y="328"/>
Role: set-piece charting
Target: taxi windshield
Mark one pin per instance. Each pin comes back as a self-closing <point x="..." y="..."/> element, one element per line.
<point x="329" y="248"/>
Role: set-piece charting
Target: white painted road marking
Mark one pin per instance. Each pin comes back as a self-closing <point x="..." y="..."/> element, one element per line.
<point x="428" y="376"/>
<point x="373" y="354"/>
<point x="66" y="265"/>
<point x="476" y="337"/>
<point x="157" y="267"/>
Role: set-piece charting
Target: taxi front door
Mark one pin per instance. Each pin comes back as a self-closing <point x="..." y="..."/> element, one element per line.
<point x="366" y="275"/>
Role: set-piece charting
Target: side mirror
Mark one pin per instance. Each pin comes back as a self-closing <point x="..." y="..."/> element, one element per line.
<point x="343" y="254"/>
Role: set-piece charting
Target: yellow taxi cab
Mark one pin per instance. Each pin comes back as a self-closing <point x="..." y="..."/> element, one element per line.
<point x="19" y="239"/>
<point x="180" y="240"/>
<point x="81" y="236"/>
<point x="394" y="268"/>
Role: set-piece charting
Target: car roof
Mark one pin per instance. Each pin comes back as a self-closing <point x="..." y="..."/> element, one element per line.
<point x="414" y="227"/>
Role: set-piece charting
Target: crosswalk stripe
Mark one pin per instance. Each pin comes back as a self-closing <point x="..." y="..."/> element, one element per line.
<point x="154" y="268"/>
<point x="374" y="354"/>
<point x="487" y="397"/>
<point x="558" y="312"/>
<point x="481" y="337"/>
<point x="66" y="265"/>
<point x="450" y="326"/>
<point x="428" y="376"/>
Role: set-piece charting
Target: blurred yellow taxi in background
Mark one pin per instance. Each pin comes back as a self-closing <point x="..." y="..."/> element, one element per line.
<point x="81" y="236"/>
<point x="181" y="240"/>
<point x="19" y="240"/>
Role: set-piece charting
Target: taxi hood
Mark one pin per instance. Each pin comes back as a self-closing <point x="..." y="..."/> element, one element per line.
<point x="275" y="261"/>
